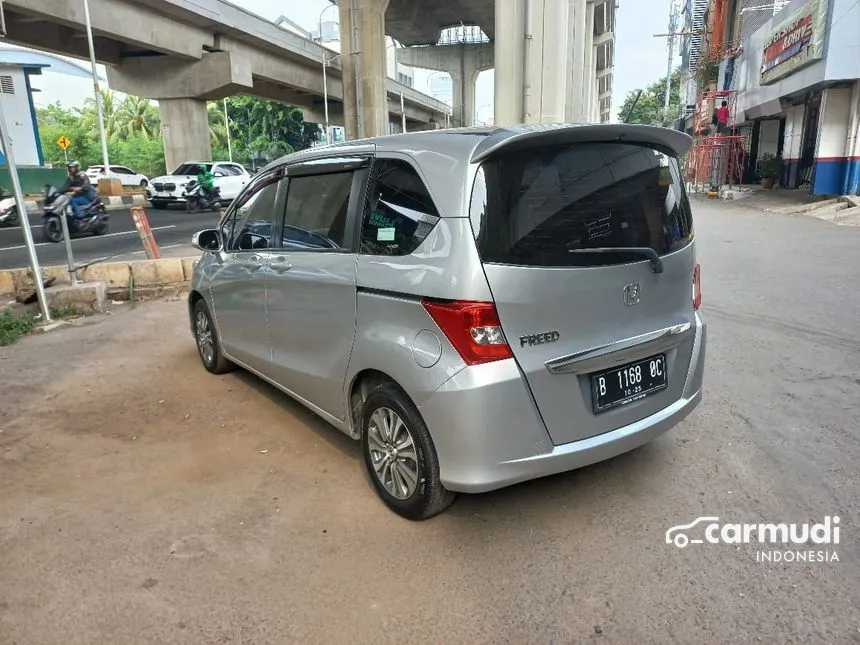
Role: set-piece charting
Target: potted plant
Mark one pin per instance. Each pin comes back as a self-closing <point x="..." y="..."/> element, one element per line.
<point x="769" y="168"/>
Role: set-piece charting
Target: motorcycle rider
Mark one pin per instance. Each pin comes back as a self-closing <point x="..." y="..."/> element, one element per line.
<point x="207" y="182"/>
<point x="78" y="185"/>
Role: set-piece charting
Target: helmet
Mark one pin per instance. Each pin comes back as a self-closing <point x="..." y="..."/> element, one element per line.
<point x="74" y="164"/>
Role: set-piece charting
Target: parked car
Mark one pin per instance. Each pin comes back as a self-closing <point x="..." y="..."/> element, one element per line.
<point x="478" y="308"/>
<point x="127" y="176"/>
<point x="231" y="178"/>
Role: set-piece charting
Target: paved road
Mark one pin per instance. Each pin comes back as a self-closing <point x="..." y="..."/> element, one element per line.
<point x="145" y="501"/>
<point x="172" y="228"/>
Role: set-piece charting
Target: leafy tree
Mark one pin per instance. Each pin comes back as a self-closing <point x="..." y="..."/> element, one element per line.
<point x="138" y="116"/>
<point x="111" y="104"/>
<point x="260" y="130"/>
<point x="650" y="110"/>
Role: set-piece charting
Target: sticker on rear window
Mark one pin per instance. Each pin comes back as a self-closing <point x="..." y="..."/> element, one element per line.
<point x="385" y="235"/>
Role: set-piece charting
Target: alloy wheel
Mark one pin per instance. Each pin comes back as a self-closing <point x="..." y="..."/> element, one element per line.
<point x="205" y="342"/>
<point x="392" y="452"/>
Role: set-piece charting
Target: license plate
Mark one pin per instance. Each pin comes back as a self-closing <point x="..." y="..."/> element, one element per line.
<point x="628" y="383"/>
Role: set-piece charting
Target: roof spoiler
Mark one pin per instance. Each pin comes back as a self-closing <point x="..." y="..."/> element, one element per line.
<point x="519" y="138"/>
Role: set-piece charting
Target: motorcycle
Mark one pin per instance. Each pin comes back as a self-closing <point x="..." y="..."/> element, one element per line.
<point x="57" y="205"/>
<point x="196" y="198"/>
<point x="8" y="210"/>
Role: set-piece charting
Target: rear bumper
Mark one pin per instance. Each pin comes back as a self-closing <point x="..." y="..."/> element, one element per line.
<point x="488" y="433"/>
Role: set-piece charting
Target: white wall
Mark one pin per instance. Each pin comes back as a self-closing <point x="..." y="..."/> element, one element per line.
<point x="843" y="59"/>
<point x="19" y="118"/>
<point x="834" y="119"/>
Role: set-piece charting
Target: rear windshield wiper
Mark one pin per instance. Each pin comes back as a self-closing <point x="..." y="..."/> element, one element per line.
<point x="651" y="254"/>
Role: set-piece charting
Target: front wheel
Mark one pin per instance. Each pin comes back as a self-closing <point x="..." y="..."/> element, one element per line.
<point x="159" y="205"/>
<point x="100" y="229"/>
<point x="191" y="205"/>
<point x="53" y="230"/>
<point x="400" y="457"/>
<point x="144" y="183"/>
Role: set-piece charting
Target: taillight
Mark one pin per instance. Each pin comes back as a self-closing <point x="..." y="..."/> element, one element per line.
<point x="697" y="287"/>
<point x="473" y="328"/>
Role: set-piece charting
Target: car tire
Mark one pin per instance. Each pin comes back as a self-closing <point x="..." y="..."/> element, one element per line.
<point x="144" y="183"/>
<point x="206" y="339"/>
<point x="408" y="482"/>
<point x="159" y="205"/>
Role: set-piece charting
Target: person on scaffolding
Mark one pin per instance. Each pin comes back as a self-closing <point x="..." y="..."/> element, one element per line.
<point x="723" y="118"/>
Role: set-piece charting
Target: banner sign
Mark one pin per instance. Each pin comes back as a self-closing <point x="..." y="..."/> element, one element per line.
<point x="796" y="42"/>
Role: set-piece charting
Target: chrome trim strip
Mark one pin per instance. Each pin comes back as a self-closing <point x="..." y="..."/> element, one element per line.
<point x="654" y="341"/>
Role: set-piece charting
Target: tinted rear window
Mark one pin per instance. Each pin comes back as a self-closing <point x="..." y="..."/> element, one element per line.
<point x="540" y="207"/>
<point x="190" y="168"/>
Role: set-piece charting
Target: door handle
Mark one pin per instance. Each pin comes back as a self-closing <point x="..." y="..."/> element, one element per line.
<point x="280" y="265"/>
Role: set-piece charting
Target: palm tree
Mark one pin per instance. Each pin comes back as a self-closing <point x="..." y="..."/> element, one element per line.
<point x="217" y="124"/>
<point x="110" y="111"/>
<point x="137" y="116"/>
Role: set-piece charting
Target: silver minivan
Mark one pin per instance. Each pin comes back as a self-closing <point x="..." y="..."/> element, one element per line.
<point x="478" y="307"/>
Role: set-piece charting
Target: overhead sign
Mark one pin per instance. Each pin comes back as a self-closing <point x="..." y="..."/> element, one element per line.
<point x="64" y="142"/>
<point x="795" y="42"/>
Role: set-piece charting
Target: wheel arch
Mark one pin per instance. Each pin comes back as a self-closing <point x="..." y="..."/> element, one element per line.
<point x="360" y="387"/>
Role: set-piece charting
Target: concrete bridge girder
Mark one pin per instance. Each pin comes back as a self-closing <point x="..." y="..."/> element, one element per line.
<point x="463" y="62"/>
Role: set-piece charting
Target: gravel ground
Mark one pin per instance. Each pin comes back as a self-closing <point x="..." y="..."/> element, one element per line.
<point x="145" y="501"/>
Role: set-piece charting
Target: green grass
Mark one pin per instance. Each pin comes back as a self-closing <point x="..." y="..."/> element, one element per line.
<point x="14" y="324"/>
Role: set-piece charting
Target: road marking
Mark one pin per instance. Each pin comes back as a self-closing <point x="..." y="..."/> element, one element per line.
<point x="94" y="237"/>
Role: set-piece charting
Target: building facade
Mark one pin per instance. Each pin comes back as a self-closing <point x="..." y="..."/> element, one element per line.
<point x="797" y="77"/>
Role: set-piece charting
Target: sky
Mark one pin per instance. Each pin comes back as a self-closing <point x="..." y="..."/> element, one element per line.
<point x="640" y="57"/>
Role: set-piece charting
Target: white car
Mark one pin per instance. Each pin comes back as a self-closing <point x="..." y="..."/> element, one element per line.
<point x="230" y="177"/>
<point x="126" y="175"/>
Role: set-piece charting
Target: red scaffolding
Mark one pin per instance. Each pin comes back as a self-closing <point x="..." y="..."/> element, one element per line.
<point x="716" y="158"/>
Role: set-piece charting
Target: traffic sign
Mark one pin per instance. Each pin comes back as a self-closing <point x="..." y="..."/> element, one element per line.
<point x="64" y="142"/>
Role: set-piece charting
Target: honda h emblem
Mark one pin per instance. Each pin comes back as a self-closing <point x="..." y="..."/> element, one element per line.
<point x="631" y="294"/>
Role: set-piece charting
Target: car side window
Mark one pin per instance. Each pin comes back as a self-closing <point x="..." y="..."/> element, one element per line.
<point x="235" y="170"/>
<point x="316" y="213"/>
<point x="253" y="218"/>
<point x="399" y="213"/>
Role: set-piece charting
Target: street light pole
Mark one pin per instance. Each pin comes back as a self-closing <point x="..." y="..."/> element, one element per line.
<point x="96" y="88"/>
<point x="23" y="216"/>
<point x="227" y="125"/>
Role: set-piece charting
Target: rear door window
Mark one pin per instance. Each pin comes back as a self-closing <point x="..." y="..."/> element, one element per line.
<point x="549" y="206"/>
<point x="317" y="211"/>
<point x="400" y="212"/>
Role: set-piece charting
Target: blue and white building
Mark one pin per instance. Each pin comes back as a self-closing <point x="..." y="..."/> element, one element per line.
<point x="798" y="82"/>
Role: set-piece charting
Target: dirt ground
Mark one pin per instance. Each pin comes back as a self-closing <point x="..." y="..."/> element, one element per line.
<point x="143" y="500"/>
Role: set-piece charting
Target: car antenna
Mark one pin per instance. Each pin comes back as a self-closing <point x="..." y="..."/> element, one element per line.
<point x="630" y="111"/>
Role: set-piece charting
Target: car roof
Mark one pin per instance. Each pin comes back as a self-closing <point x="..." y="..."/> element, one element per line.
<point x="441" y="154"/>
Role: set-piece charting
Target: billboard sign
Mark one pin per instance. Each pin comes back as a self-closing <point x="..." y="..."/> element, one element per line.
<point x="795" y="42"/>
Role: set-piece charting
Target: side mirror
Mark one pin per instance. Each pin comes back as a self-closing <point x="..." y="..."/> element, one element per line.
<point x="208" y="240"/>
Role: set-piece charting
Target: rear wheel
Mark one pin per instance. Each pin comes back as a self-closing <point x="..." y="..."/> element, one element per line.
<point x="400" y="457"/>
<point x="53" y="230"/>
<point x="191" y="205"/>
<point x="208" y="347"/>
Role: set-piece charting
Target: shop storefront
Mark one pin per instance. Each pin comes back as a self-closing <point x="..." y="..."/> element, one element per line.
<point x="797" y="81"/>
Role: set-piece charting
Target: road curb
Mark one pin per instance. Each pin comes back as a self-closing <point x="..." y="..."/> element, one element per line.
<point x="111" y="203"/>
<point x="122" y="279"/>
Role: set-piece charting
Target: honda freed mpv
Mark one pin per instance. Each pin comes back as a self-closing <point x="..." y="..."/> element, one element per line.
<point x="478" y="307"/>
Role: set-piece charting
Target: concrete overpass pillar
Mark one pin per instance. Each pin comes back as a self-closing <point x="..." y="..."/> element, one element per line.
<point x="463" y="62"/>
<point x="589" y="64"/>
<point x="579" y="38"/>
<point x="362" y="29"/>
<point x="185" y="126"/>
<point x="509" y="46"/>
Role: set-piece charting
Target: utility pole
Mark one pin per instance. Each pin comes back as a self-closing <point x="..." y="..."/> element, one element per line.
<point x="96" y="89"/>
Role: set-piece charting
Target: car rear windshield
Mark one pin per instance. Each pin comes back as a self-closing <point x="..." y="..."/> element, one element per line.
<point x="547" y="206"/>
<point x="190" y="168"/>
